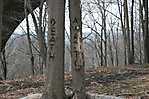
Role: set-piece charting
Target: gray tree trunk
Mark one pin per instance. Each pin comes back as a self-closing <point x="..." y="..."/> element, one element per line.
<point x="28" y="36"/>
<point x="116" y="46"/>
<point x="123" y="31"/>
<point x="146" y="34"/>
<point x="2" y="50"/>
<point x="55" y="53"/>
<point x="111" y="50"/>
<point x="77" y="54"/>
<point x="41" y="36"/>
<point x="105" y="31"/>
<point x="129" y="50"/>
<point x="132" y="35"/>
<point x="1" y="13"/>
<point x="140" y="27"/>
<point x="101" y="49"/>
<point x="3" y="63"/>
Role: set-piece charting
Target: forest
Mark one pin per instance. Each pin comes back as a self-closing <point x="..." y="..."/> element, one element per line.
<point x="74" y="49"/>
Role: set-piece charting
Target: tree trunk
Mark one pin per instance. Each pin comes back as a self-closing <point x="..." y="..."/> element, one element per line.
<point x="116" y="47"/>
<point x="123" y="31"/>
<point x="111" y="49"/>
<point x="127" y="31"/>
<point x="113" y="40"/>
<point x="2" y="50"/>
<point x="140" y="27"/>
<point x="41" y="36"/>
<point x="1" y="14"/>
<point x="101" y="48"/>
<point x="146" y="34"/>
<point x="3" y="63"/>
<point x="115" y="43"/>
<point x="105" y="32"/>
<point x="40" y="31"/>
<point x="132" y="35"/>
<point x="55" y="53"/>
<point x="77" y="53"/>
<point x="28" y="36"/>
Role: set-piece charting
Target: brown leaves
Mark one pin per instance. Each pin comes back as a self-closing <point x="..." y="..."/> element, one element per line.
<point x="126" y="82"/>
<point x="12" y="89"/>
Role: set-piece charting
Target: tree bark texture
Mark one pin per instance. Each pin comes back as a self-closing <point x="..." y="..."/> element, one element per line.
<point x="26" y="4"/>
<point x="146" y="34"/>
<point x="77" y="54"/>
<point x="2" y="50"/>
<point x="55" y="53"/>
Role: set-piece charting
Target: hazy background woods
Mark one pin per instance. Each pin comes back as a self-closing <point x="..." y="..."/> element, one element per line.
<point x="104" y="41"/>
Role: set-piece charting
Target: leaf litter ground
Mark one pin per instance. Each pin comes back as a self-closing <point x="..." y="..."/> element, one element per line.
<point x="118" y="81"/>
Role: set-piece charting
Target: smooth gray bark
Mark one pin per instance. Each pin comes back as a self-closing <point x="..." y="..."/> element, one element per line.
<point x="55" y="53"/>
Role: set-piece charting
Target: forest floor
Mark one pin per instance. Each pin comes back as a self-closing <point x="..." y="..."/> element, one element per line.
<point x="117" y="81"/>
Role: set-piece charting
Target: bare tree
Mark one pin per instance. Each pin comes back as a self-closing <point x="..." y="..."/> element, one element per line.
<point x="28" y="35"/>
<point x="1" y="14"/>
<point x="3" y="64"/>
<point x="77" y="53"/>
<point x="40" y="29"/>
<point x="114" y="40"/>
<point x="55" y="53"/>
<point x="116" y="45"/>
<point x="126" y="17"/>
<point x="98" y="24"/>
<point x="146" y="34"/>
<point x="110" y="48"/>
<point x="104" y="30"/>
<point x="132" y="34"/>
<point x="119" y="2"/>
<point x="141" y="27"/>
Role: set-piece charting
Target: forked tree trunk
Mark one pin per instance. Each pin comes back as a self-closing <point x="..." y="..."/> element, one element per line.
<point x="55" y="53"/>
<point x="77" y="54"/>
<point x="41" y="36"/>
<point x="40" y="31"/>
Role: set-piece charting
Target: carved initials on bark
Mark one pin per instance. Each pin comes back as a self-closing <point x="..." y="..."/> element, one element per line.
<point x="52" y="39"/>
